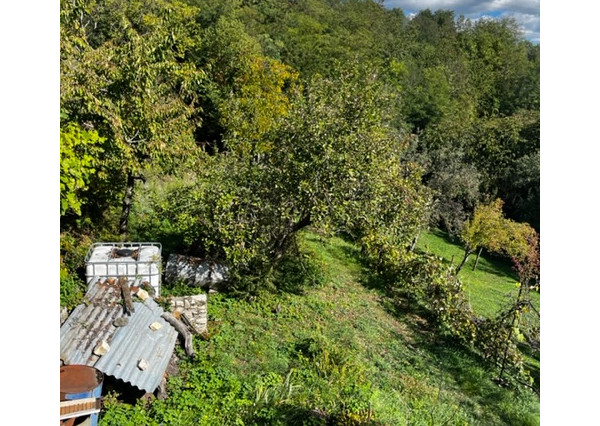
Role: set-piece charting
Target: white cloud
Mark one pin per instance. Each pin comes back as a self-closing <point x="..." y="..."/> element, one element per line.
<point x="465" y="7"/>
<point x="529" y="23"/>
<point x="525" y="12"/>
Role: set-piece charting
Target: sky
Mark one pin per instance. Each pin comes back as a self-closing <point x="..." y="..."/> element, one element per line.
<point x="525" y="12"/>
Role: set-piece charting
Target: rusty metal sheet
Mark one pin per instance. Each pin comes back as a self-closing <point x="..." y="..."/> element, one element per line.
<point x="92" y="322"/>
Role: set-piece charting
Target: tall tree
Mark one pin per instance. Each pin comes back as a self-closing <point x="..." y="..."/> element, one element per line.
<point x="124" y="69"/>
<point x="334" y="163"/>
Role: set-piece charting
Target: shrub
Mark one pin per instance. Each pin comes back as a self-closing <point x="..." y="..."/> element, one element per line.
<point x="71" y="289"/>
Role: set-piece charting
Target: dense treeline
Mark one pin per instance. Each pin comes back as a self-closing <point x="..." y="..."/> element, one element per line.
<point x="222" y="128"/>
<point x="166" y="88"/>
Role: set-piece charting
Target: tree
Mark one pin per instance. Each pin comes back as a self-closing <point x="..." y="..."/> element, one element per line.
<point x="504" y="68"/>
<point x="524" y="252"/>
<point x="248" y="92"/>
<point x="455" y="183"/>
<point x="334" y="163"/>
<point x="485" y="229"/>
<point x="124" y="70"/>
<point x="521" y="188"/>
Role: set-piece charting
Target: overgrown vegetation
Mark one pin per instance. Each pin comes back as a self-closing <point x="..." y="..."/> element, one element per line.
<point x="225" y="129"/>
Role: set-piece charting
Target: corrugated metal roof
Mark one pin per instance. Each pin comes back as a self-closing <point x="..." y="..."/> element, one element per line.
<point x="92" y="322"/>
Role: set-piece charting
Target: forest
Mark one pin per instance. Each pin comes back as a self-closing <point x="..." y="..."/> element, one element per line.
<point x="315" y="147"/>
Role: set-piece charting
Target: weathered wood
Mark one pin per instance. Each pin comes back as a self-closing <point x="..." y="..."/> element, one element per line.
<point x="188" y="321"/>
<point x="129" y="309"/>
<point x="161" y="391"/>
<point x="183" y="330"/>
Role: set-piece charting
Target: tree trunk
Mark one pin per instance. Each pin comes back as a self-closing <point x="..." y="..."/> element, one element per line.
<point x="467" y="254"/>
<point x="477" y="259"/>
<point x="280" y="245"/>
<point x="414" y="243"/>
<point x="127" y="198"/>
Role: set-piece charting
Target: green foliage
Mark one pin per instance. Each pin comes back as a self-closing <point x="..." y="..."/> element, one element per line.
<point x="490" y="229"/>
<point x="486" y="228"/>
<point x="497" y="143"/>
<point x="510" y="328"/>
<point x="505" y="69"/>
<point x="487" y="286"/>
<point x="332" y="163"/>
<point x="249" y="121"/>
<point x="124" y="71"/>
<point x="426" y="280"/>
<point x="79" y="157"/>
<point x="116" y="413"/>
<point x="522" y="190"/>
<point x="72" y="289"/>
<point x="456" y="184"/>
<point x="73" y="248"/>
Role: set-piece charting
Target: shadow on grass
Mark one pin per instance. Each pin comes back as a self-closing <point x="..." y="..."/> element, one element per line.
<point x="468" y="370"/>
<point x="489" y="262"/>
<point x="460" y="368"/>
<point x="493" y="266"/>
<point x="445" y="236"/>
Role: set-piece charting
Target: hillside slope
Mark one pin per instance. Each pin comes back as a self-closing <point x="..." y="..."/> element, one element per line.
<point x="341" y="353"/>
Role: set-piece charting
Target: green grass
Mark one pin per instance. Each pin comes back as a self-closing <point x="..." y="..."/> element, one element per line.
<point x="342" y="353"/>
<point x="488" y="287"/>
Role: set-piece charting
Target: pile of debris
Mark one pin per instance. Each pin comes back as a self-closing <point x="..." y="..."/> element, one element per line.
<point x="119" y="330"/>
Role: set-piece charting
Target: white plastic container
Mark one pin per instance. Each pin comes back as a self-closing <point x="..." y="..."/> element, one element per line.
<point x="131" y="260"/>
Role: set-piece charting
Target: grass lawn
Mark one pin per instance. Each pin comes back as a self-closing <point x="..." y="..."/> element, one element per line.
<point x="340" y="353"/>
<point x="487" y="287"/>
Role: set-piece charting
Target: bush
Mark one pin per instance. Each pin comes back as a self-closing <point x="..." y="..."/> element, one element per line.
<point x="73" y="248"/>
<point x="72" y="289"/>
<point x="426" y="280"/>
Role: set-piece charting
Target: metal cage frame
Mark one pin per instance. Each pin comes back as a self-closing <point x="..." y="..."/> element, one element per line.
<point x="128" y="265"/>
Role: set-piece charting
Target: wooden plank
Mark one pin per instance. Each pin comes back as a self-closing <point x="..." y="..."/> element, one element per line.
<point x="79" y="407"/>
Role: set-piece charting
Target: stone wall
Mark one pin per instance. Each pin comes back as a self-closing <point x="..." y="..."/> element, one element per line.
<point x="192" y="311"/>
